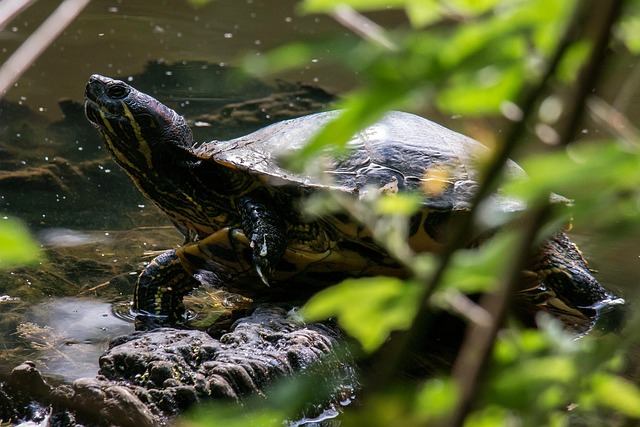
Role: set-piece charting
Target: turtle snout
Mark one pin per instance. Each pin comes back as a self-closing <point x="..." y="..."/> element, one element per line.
<point x="95" y="88"/>
<point x="103" y="89"/>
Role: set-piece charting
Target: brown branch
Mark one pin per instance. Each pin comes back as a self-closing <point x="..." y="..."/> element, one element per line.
<point x="386" y="370"/>
<point x="604" y="15"/>
<point x="475" y="352"/>
<point x="474" y="356"/>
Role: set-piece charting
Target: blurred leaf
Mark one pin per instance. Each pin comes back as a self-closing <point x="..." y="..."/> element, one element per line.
<point x="510" y="348"/>
<point x="297" y="55"/>
<point x="16" y="245"/>
<point x="629" y="29"/>
<point x="520" y="385"/>
<point x="367" y="308"/>
<point x="403" y="204"/>
<point x="436" y="399"/>
<point x="327" y="6"/>
<point x="617" y="393"/>
<point x="602" y="179"/>
<point x="199" y="3"/>
<point x="490" y="416"/>
<point x="423" y="12"/>
<point x="484" y="93"/>
<point x="573" y="60"/>
<point x="232" y="416"/>
<point x="358" y="111"/>
<point x="478" y="270"/>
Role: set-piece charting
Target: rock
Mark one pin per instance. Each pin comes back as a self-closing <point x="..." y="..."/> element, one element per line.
<point x="98" y="398"/>
<point x="146" y="378"/>
<point x="28" y="380"/>
<point x="260" y="348"/>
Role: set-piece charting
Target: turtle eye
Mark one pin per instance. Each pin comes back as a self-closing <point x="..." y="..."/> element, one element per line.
<point x="117" y="91"/>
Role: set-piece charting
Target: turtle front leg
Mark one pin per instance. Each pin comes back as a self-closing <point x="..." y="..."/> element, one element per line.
<point x="266" y="232"/>
<point x="169" y="277"/>
<point x="160" y="289"/>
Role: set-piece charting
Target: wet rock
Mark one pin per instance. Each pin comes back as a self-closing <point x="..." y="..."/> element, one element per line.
<point x="8" y="411"/>
<point x="148" y="377"/>
<point x="260" y="347"/>
<point x="28" y="380"/>
<point x="98" y="397"/>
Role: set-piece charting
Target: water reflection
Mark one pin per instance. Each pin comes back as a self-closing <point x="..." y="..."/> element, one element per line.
<point x="68" y="335"/>
<point x="64" y="237"/>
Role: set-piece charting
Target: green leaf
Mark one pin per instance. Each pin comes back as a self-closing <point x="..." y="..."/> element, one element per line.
<point x="360" y="110"/>
<point x="629" y="30"/>
<point x="367" y="308"/>
<point x="436" y="399"/>
<point x="519" y="385"/>
<point x="423" y="12"/>
<point x="491" y="416"/>
<point x="478" y="270"/>
<point x="297" y="55"/>
<point x="483" y="93"/>
<point x="573" y="60"/>
<point x="16" y="245"/>
<point x="327" y="6"/>
<point x="617" y="393"/>
<point x="233" y="416"/>
<point x="403" y="204"/>
<point x="199" y="3"/>
<point x="601" y="178"/>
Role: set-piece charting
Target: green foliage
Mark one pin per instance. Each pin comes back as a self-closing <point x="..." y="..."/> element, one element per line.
<point x="617" y="393"/>
<point x="470" y="69"/>
<point x="395" y="299"/>
<point x="474" y="271"/>
<point x="16" y="245"/>
<point x="601" y="177"/>
<point x="629" y="30"/>
<point x="199" y="3"/>
<point x="539" y="374"/>
<point x="473" y="58"/>
<point x="435" y="399"/>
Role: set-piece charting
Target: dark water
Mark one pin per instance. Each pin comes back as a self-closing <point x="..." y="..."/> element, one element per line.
<point x="118" y="38"/>
<point x="102" y="226"/>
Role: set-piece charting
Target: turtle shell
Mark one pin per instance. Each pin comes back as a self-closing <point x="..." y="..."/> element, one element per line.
<point x="400" y="152"/>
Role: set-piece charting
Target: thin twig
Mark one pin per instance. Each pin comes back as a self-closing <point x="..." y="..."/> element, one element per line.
<point x="37" y="42"/>
<point x="476" y="347"/>
<point x="9" y="9"/>
<point x="363" y="26"/>
<point x="605" y="14"/>
<point x="96" y="287"/>
<point x="617" y="123"/>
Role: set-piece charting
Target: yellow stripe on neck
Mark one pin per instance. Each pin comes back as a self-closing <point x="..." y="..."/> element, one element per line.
<point x="144" y="146"/>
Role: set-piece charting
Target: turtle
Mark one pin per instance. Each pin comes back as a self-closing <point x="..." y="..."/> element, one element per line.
<point x="241" y="211"/>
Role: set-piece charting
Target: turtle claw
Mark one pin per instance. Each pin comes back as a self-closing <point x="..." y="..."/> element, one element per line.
<point x="263" y="276"/>
<point x="260" y="261"/>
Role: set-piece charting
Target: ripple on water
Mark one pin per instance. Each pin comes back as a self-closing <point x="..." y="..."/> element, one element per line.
<point x="69" y="335"/>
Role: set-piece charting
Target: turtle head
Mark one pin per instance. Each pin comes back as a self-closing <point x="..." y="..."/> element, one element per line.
<point x="138" y="130"/>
